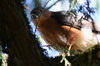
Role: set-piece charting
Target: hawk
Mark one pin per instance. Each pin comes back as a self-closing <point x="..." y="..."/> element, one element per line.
<point x="66" y="30"/>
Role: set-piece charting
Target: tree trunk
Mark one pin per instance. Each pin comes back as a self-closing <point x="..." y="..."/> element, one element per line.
<point x="23" y="47"/>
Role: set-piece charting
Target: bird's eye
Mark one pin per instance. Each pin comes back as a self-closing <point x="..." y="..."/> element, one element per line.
<point x="35" y="15"/>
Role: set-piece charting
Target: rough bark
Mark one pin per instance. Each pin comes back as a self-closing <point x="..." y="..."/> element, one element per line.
<point x="22" y="46"/>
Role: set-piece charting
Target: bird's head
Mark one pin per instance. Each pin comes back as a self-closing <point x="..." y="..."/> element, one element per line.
<point x="38" y="14"/>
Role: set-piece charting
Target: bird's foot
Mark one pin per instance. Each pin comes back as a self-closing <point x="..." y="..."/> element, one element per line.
<point x="68" y="53"/>
<point x="67" y="63"/>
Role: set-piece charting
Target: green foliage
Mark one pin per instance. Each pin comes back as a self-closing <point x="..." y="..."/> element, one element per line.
<point x="37" y="2"/>
<point x="72" y="3"/>
<point x="98" y="4"/>
<point x="3" y="58"/>
<point x="0" y="59"/>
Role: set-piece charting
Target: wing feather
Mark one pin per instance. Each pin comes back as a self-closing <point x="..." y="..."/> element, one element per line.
<point x="76" y="21"/>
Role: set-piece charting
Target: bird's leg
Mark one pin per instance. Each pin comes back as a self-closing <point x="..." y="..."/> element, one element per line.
<point x="69" y="48"/>
<point x="67" y="63"/>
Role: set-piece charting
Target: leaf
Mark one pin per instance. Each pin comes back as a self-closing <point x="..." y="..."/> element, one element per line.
<point x="98" y="4"/>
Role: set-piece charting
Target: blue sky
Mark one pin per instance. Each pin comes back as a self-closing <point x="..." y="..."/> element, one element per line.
<point x="59" y="7"/>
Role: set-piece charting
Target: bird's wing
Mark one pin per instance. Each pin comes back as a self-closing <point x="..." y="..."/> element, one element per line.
<point x="74" y="20"/>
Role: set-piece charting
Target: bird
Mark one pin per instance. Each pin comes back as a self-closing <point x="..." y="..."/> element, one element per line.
<point x="66" y="30"/>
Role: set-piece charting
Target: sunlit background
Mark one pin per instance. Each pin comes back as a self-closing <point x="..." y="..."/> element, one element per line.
<point x="59" y="6"/>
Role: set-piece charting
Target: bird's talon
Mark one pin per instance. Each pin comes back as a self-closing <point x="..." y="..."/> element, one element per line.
<point x="68" y="53"/>
<point x="67" y="63"/>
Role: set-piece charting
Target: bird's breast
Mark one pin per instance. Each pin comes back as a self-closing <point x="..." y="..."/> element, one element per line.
<point x="57" y="34"/>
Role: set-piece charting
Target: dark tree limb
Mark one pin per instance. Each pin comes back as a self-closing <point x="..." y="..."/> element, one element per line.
<point x="22" y="46"/>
